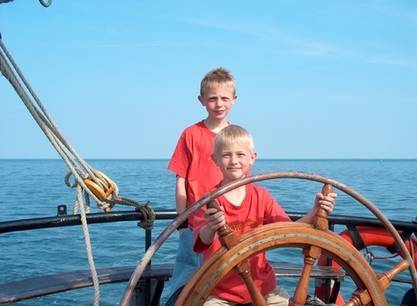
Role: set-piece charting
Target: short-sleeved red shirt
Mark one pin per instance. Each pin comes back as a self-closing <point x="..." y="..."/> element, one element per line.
<point x="192" y="160"/>
<point x="257" y="208"/>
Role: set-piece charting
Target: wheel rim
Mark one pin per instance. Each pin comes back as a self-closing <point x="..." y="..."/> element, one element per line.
<point x="279" y="235"/>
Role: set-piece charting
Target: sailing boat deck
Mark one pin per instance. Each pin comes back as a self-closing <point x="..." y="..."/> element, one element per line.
<point x="156" y="273"/>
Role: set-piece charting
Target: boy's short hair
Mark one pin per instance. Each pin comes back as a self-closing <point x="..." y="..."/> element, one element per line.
<point x="230" y="135"/>
<point x="217" y="75"/>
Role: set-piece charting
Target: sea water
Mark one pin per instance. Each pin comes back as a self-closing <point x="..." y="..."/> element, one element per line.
<point x="34" y="188"/>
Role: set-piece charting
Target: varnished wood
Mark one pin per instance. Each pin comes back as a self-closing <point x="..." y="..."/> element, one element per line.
<point x="320" y="219"/>
<point x="282" y="235"/>
<point x="300" y="294"/>
<point x="386" y="278"/>
<point x="229" y="239"/>
<point x="362" y="297"/>
<point x="262" y="177"/>
<point x="310" y="254"/>
<point x="354" y="301"/>
<point x="313" y="239"/>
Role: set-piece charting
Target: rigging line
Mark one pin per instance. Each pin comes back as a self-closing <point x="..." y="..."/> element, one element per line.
<point x="148" y="214"/>
<point x="53" y="126"/>
<point x="53" y="138"/>
<point x="8" y="73"/>
<point x="64" y="151"/>
<point x="39" y="117"/>
<point x="42" y="117"/>
<point x="87" y="241"/>
<point x="46" y="124"/>
<point x="78" y="167"/>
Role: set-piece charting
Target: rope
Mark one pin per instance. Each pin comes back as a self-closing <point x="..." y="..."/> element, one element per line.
<point x="82" y="172"/>
<point x="359" y="244"/>
<point x="63" y="148"/>
<point x="77" y="166"/>
<point x="148" y="214"/>
<point x="370" y="257"/>
<point x="87" y="242"/>
<point x="75" y="163"/>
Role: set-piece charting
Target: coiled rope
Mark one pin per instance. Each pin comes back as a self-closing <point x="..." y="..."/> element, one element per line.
<point x="88" y="181"/>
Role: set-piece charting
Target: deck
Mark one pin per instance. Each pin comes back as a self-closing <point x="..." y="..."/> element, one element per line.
<point x="157" y="273"/>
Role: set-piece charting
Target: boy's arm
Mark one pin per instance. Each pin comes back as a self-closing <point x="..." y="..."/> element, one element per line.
<point x="215" y="219"/>
<point x="206" y="235"/>
<point x="180" y="195"/>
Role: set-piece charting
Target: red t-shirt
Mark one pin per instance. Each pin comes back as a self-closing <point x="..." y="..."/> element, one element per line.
<point x="257" y="208"/>
<point x="192" y="160"/>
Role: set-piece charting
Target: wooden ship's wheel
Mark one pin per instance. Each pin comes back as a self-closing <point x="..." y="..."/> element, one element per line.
<point x="313" y="239"/>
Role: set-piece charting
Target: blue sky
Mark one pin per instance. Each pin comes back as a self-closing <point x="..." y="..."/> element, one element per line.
<point x="315" y="79"/>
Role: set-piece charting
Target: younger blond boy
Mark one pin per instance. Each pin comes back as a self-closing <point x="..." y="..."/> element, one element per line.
<point x="244" y="209"/>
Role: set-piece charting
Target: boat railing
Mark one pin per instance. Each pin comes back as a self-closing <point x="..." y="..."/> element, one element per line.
<point x="150" y="288"/>
<point x="62" y="219"/>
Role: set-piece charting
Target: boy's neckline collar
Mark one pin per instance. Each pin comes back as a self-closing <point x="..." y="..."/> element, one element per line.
<point x="244" y="200"/>
<point x="216" y="130"/>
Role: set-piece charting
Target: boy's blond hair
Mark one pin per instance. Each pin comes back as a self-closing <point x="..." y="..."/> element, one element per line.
<point x="233" y="134"/>
<point x="218" y="75"/>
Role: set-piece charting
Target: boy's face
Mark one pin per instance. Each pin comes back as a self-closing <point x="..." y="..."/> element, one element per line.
<point x="235" y="161"/>
<point x="218" y="100"/>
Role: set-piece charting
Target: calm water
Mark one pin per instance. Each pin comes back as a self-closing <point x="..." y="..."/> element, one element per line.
<point x="34" y="188"/>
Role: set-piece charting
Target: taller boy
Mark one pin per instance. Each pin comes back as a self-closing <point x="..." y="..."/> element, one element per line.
<point x="196" y="173"/>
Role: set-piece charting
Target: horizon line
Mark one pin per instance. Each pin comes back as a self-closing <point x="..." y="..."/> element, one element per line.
<point x="258" y="159"/>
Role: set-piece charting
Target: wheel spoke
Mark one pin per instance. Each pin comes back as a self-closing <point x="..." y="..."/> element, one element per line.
<point x="300" y="294"/>
<point x="359" y="297"/>
<point x="228" y="239"/>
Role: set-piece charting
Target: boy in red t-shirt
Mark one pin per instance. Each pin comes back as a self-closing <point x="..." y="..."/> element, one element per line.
<point x="244" y="208"/>
<point x="196" y="173"/>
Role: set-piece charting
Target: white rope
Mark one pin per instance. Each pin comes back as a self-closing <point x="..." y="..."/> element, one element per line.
<point x="78" y="168"/>
<point x="88" y="247"/>
<point x="76" y="165"/>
